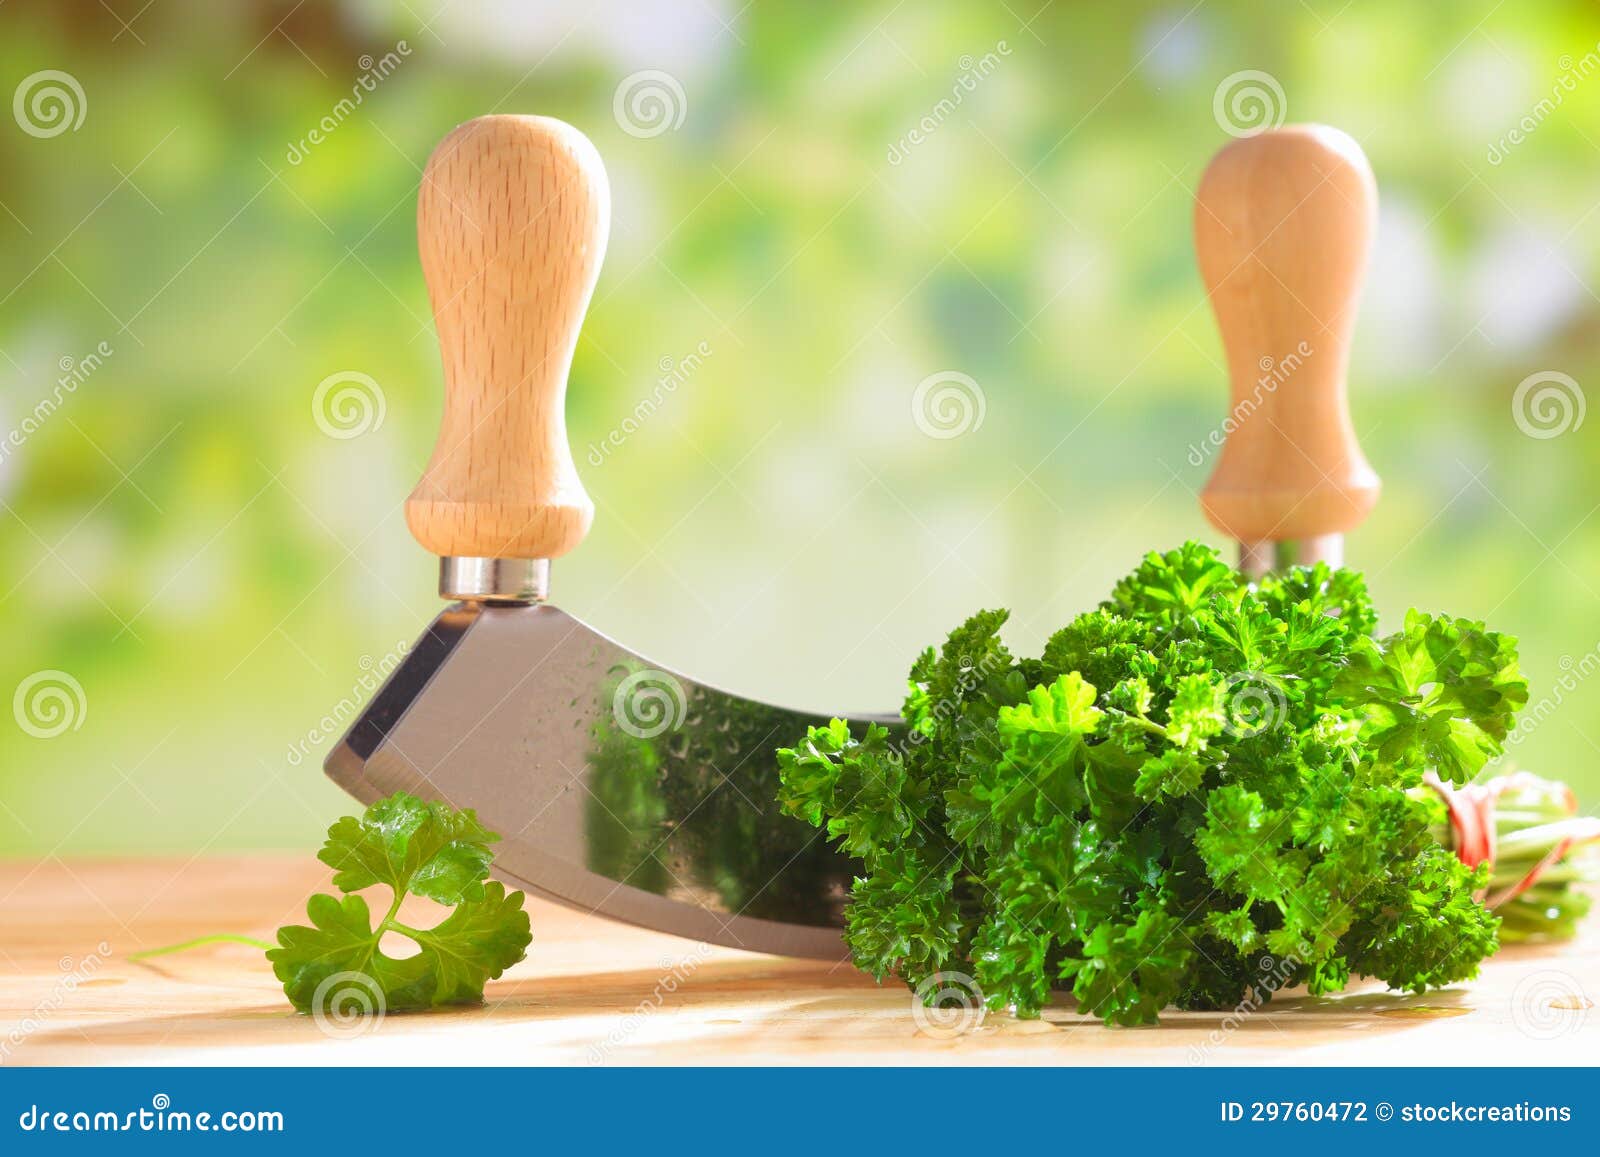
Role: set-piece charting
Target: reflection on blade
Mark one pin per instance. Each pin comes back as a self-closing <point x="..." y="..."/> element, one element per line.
<point x="619" y="787"/>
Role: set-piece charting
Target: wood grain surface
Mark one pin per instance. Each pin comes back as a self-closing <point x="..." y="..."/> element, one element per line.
<point x="1283" y="223"/>
<point x="512" y="222"/>
<point x="593" y="992"/>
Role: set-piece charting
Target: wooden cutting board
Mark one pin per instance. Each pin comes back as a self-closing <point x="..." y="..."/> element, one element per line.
<point x="593" y="992"/>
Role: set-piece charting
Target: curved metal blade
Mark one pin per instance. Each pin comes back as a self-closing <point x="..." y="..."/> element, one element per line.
<point x="618" y="787"/>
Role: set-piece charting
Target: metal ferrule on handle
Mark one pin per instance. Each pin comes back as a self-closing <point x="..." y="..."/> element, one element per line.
<point x="494" y="580"/>
<point x="1259" y="558"/>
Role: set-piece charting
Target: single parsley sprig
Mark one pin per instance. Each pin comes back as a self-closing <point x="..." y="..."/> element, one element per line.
<point x="1199" y="790"/>
<point x="414" y="848"/>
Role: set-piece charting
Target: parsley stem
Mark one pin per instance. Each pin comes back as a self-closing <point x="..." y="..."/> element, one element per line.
<point x="388" y="920"/>
<point x="1149" y="725"/>
<point x="387" y="924"/>
<point x="200" y="942"/>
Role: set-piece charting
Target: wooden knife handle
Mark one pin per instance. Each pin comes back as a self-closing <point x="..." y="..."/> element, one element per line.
<point x="1283" y="224"/>
<point x="511" y="223"/>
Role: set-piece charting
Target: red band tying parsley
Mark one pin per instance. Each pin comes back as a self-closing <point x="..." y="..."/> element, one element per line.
<point x="1473" y="827"/>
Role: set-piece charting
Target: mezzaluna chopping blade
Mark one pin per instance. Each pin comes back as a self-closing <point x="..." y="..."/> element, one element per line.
<point x="620" y="788"/>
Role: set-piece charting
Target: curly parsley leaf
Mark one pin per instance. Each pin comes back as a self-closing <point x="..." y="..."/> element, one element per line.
<point x="411" y="847"/>
<point x="1439" y="693"/>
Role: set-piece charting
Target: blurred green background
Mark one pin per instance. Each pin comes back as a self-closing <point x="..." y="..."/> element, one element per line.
<point x="185" y="541"/>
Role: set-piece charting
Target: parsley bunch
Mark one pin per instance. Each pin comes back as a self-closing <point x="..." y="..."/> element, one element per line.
<point x="1199" y="789"/>
<point x="413" y="848"/>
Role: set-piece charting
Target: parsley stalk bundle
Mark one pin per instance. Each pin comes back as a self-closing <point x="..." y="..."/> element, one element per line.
<point x="1202" y="788"/>
<point x="1528" y="831"/>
